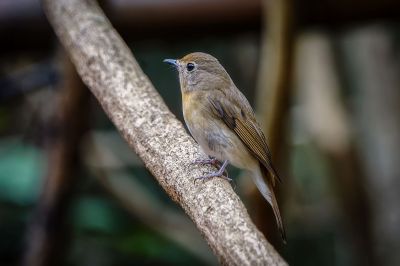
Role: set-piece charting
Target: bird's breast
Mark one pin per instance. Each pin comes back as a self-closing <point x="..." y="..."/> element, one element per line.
<point x="205" y="129"/>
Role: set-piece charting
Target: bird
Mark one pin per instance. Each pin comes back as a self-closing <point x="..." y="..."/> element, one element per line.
<point x="223" y="123"/>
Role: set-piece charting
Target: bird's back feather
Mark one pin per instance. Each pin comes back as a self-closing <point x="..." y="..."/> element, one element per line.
<point x="238" y="116"/>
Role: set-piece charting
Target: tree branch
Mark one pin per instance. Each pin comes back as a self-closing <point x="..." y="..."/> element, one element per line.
<point x="108" y="68"/>
<point x="139" y="201"/>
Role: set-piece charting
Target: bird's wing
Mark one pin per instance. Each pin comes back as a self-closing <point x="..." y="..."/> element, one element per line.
<point x="243" y="123"/>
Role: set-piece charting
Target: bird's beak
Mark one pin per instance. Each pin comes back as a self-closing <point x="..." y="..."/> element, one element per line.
<point x="172" y="62"/>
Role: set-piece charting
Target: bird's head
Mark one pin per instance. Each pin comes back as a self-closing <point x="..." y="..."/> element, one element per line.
<point x="200" y="71"/>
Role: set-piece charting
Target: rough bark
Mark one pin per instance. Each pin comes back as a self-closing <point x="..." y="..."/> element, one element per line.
<point x="108" y="68"/>
<point x="105" y="164"/>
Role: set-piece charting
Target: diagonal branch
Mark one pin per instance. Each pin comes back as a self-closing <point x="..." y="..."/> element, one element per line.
<point x="108" y="68"/>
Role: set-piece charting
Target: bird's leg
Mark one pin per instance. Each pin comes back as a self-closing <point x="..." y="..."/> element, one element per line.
<point x="219" y="173"/>
<point x="211" y="160"/>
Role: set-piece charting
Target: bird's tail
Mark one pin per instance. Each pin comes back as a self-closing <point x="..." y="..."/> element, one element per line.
<point x="261" y="179"/>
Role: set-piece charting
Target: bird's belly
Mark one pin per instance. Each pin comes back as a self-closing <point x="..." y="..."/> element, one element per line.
<point x="219" y="141"/>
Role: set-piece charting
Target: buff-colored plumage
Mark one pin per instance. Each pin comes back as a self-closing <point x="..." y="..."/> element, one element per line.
<point x="222" y="121"/>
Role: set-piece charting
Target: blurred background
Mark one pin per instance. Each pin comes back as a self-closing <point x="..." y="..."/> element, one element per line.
<point x="324" y="77"/>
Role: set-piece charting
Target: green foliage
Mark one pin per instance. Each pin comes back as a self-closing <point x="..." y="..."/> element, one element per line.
<point x="101" y="226"/>
<point x="21" y="169"/>
<point x="97" y="215"/>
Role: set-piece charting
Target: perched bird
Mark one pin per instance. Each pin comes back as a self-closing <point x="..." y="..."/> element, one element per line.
<point x="221" y="120"/>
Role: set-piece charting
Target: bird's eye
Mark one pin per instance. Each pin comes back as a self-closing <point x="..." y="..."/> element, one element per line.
<point x="190" y="67"/>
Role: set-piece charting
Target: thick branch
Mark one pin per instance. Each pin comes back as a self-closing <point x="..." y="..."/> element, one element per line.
<point x="139" y="200"/>
<point x="107" y="66"/>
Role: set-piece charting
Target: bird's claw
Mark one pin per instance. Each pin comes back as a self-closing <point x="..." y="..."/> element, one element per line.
<point x="212" y="175"/>
<point x="220" y="173"/>
<point x="212" y="161"/>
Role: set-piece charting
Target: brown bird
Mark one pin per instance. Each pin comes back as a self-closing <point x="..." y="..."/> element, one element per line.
<point x="221" y="120"/>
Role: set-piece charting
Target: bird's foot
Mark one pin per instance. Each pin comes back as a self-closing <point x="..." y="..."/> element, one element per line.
<point x="220" y="173"/>
<point x="211" y="160"/>
<point x="211" y="175"/>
